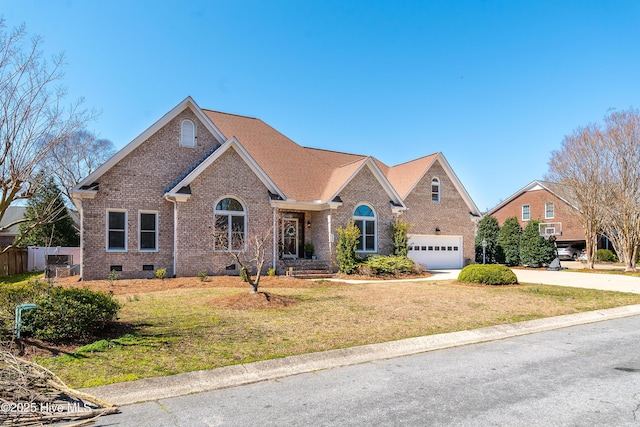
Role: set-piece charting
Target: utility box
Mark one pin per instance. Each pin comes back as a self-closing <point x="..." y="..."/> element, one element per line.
<point x="58" y="265"/>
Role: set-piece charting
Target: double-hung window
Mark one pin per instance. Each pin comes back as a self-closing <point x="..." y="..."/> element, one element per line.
<point x="117" y="231"/>
<point x="365" y="219"/>
<point x="187" y="133"/>
<point x="548" y="210"/>
<point x="526" y="212"/>
<point x="435" y="190"/>
<point x="148" y="228"/>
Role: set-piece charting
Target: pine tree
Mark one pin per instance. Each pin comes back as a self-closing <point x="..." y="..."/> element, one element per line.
<point x="488" y="229"/>
<point x="509" y="241"/>
<point x="49" y="222"/>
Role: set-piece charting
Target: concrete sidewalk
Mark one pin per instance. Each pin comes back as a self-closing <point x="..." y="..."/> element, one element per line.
<point x="194" y="382"/>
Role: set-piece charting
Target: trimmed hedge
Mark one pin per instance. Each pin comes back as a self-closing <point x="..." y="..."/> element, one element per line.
<point x="380" y="264"/>
<point x="70" y="313"/>
<point x="488" y="274"/>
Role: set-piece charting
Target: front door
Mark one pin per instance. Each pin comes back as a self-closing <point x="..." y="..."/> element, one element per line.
<point x="290" y="237"/>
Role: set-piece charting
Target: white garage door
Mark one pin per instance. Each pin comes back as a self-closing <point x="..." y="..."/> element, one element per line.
<point x="436" y="251"/>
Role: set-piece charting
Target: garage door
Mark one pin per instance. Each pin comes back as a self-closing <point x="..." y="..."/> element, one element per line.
<point x="436" y="251"/>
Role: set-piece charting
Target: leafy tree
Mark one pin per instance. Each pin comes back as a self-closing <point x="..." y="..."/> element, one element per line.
<point x="535" y="250"/>
<point x="509" y="241"/>
<point x="489" y="230"/>
<point x="33" y="119"/>
<point x="59" y="230"/>
<point x="400" y="229"/>
<point x="346" y="250"/>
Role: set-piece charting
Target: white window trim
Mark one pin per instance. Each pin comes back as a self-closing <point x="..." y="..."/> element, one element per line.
<point x="140" y="231"/>
<point x="373" y="218"/>
<point x="126" y="230"/>
<point x="236" y="213"/>
<point x="437" y="180"/>
<point x="553" y="210"/>
<point x="523" y="218"/>
<point x="192" y="143"/>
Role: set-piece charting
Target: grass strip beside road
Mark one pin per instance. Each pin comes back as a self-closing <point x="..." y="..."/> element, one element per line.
<point x="181" y="330"/>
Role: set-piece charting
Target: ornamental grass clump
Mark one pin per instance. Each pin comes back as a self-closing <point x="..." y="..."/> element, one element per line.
<point x="489" y="274"/>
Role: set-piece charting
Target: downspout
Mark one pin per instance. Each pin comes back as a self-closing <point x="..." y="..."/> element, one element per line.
<point x="175" y="234"/>
<point x="81" y="211"/>
<point x="275" y="243"/>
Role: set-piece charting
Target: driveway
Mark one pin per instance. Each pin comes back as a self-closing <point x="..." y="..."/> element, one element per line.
<point x="602" y="281"/>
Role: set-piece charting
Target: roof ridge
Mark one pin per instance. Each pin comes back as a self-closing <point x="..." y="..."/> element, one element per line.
<point x="419" y="158"/>
<point x="232" y="114"/>
<point x="334" y="151"/>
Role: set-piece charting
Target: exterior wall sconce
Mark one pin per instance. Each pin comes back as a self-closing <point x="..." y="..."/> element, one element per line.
<point x="437" y="230"/>
<point x="308" y="224"/>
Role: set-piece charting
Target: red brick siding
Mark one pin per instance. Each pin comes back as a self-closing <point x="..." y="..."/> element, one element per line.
<point x="536" y="199"/>
<point x="451" y="215"/>
<point x="138" y="182"/>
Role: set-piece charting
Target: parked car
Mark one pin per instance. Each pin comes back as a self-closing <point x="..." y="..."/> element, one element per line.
<point x="570" y="252"/>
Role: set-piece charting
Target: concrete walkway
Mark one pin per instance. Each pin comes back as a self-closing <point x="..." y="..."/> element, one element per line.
<point x="194" y="382"/>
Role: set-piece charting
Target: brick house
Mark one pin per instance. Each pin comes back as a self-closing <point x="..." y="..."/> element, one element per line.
<point x="548" y="203"/>
<point x="198" y="176"/>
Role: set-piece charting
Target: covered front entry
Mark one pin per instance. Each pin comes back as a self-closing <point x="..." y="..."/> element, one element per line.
<point x="436" y="252"/>
<point x="292" y="235"/>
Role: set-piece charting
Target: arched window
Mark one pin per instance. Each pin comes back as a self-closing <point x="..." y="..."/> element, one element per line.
<point x="435" y="190"/>
<point x="365" y="219"/>
<point x="187" y="134"/>
<point x="230" y="225"/>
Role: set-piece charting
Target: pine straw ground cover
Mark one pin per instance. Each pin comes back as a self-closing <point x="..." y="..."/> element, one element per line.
<point x="180" y="325"/>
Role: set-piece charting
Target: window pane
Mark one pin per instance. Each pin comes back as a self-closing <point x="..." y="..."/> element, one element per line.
<point x="188" y="133"/>
<point x="371" y="243"/>
<point x="147" y="240"/>
<point x="358" y="223"/>
<point x="237" y="224"/>
<point x="116" y="220"/>
<point x="363" y="210"/>
<point x="116" y="239"/>
<point x="148" y="221"/>
<point x="369" y="227"/>
<point x="229" y="204"/>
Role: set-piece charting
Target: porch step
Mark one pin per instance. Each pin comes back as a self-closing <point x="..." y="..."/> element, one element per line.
<point x="307" y="269"/>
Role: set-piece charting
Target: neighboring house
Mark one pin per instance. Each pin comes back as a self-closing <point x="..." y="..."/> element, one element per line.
<point x="194" y="174"/>
<point x="11" y="215"/>
<point x="548" y="203"/>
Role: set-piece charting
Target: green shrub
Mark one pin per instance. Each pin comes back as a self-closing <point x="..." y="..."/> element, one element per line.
<point x="161" y="273"/>
<point x="203" y="275"/>
<point x="14" y="294"/>
<point x="509" y="241"/>
<point x="271" y="272"/>
<point x="488" y="230"/>
<point x="489" y="274"/>
<point x="70" y="313"/>
<point x="535" y="250"/>
<point x="400" y="230"/>
<point x="346" y="256"/>
<point x="380" y="264"/>
<point x="605" y="255"/>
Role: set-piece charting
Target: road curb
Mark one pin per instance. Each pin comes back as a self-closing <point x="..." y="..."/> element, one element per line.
<point x="150" y="389"/>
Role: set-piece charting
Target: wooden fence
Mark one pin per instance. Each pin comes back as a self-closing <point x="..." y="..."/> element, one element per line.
<point x="13" y="261"/>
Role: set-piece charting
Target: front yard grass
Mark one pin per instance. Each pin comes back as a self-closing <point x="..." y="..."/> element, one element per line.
<point x="182" y="330"/>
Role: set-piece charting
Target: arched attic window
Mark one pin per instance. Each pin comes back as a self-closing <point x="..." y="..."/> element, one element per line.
<point x="365" y="219"/>
<point x="231" y="226"/>
<point x="435" y="190"/>
<point x="187" y="133"/>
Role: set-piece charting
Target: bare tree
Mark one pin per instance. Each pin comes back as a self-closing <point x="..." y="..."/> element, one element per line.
<point x="600" y="167"/>
<point x="621" y="145"/>
<point x="248" y="253"/>
<point x="33" y="120"/>
<point x="578" y="167"/>
<point x="76" y="157"/>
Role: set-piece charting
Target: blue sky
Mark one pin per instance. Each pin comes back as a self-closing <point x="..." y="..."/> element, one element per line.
<point x="494" y="85"/>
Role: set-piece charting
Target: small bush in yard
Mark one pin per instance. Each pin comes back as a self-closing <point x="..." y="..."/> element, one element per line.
<point x="605" y="255"/>
<point x="380" y="264"/>
<point x="203" y="275"/>
<point x="14" y="294"/>
<point x="489" y="274"/>
<point x="70" y="313"/>
<point x="161" y="273"/>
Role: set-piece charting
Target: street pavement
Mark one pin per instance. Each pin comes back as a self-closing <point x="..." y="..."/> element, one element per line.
<point x="150" y="389"/>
